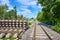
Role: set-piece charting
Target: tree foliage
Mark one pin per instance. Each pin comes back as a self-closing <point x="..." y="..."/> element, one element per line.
<point x="3" y="9"/>
<point x="12" y="14"/>
<point x="50" y="13"/>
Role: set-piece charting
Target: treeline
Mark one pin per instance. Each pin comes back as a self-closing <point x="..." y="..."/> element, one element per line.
<point x="50" y="13"/>
<point x="5" y="14"/>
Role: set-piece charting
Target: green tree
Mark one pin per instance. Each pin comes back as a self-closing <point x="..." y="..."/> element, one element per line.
<point x="12" y="14"/>
<point x="15" y="12"/>
<point x="50" y="13"/>
<point x="3" y="9"/>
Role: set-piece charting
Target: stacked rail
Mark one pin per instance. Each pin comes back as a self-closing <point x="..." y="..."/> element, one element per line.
<point x="12" y="28"/>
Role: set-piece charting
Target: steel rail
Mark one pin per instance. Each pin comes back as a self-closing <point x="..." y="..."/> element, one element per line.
<point x="34" y="33"/>
<point x="46" y="33"/>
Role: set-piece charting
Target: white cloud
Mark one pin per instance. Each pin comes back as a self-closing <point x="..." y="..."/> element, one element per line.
<point x="36" y="7"/>
<point x="24" y="7"/>
<point x="3" y="2"/>
<point x="32" y="3"/>
<point x="25" y="12"/>
<point x="27" y="2"/>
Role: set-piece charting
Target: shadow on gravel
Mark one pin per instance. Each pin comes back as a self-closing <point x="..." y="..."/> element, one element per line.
<point x="49" y="26"/>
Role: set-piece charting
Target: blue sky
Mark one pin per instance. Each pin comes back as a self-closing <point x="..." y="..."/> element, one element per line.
<point x="27" y="8"/>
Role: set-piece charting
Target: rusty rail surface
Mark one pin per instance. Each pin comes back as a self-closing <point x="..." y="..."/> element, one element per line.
<point x="46" y="33"/>
<point x="34" y="34"/>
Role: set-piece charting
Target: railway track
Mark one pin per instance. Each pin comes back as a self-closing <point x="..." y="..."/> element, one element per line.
<point x="49" y="36"/>
<point x="35" y="34"/>
<point x="46" y="33"/>
<point x="40" y="32"/>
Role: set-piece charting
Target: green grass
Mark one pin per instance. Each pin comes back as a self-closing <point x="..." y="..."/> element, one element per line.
<point x="56" y="28"/>
<point x="11" y="38"/>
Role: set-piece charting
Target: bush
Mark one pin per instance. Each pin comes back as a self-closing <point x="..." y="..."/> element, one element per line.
<point x="29" y="24"/>
<point x="56" y="28"/>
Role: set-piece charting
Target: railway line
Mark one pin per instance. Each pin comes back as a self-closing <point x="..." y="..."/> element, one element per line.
<point x="46" y="33"/>
<point x="40" y="32"/>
